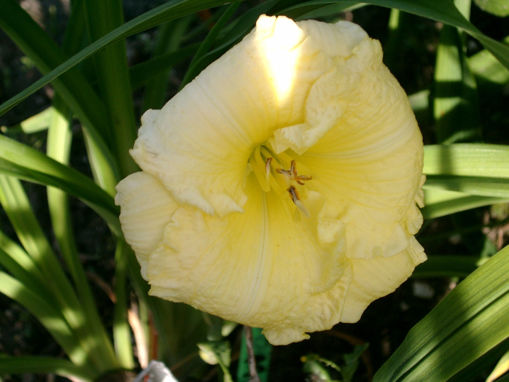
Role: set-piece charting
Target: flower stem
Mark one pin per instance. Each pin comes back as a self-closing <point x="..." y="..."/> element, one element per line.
<point x="250" y="355"/>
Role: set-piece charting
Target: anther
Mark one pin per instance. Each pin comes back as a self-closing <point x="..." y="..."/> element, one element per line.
<point x="293" y="194"/>
<point x="293" y="175"/>
<point x="284" y="172"/>
<point x="296" y="200"/>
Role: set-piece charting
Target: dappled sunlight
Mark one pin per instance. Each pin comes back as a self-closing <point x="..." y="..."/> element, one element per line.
<point x="281" y="53"/>
<point x="49" y="317"/>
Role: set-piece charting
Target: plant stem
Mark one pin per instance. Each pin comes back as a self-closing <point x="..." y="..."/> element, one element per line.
<point x="250" y="355"/>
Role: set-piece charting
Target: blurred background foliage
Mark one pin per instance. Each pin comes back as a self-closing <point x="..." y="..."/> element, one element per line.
<point x="75" y="76"/>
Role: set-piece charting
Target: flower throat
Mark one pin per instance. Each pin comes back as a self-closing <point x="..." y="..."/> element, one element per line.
<point x="278" y="172"/>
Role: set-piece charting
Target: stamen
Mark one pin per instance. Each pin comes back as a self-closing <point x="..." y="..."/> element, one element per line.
<point x="296" y="200"/>
<point x="293" y="175"/>
<point x="293" y="194"/>
<point x="301" y="178"/>
<point x="293" y="169"/>
<point x="302" y="208"/>
<point x="284" y="172"/>
<point x="267" y="167"/>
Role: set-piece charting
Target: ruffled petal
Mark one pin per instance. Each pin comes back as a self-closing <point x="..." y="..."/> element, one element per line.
<point x="283" y="182"/>
<point x="374" y="278"/>
<point x="199" y="143"/>
<point x="370" y="162"/>
<point x="146" y="208"/>
<point x="265" y="267"/>
<point x="329" y="96"/>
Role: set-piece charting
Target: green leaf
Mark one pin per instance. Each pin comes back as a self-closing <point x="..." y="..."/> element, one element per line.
<point x="481" y="160"/>
<point x="121" y="329"/>
<point x="34" y="124"/>
<point x="170" y="10"/>
<point x="169" y="39"/>
<point x="17" y="207"/>
<point x="477" y="370"/>
<point x="58" y="147"/>
<point x="144" y="71"/>
<point x="443" y="11"/>
<point x="502" y="366"/>
<point x="486" y="67"/>
<point x="439" y="202"/>
<point x="48" y="315"/>
<point x="352" y="362"/>
<point x="464" y="176"/>
<point x="44" y="365"/>
<point x="72" y="87"/>
<point x="455" y="106"/>
<point x="446" y="266"/>
<point x="471" y="318"/>
<point x="194" y="68"/>
<point x="495" y="7"/>
<point x="112" y="76"/>
<point x="26" y="163"/>
<point x="316" y="8"/>
<point x="234" y="31"/>
<point x="217" y="353"/>
<point x="315" y="369"/>
<point x="330" y="12"/>
<point x="21" y="266"/>
<point x="471" y="185"/>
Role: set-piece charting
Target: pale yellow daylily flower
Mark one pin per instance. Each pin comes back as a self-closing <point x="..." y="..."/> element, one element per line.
<point x="279" y="188"/>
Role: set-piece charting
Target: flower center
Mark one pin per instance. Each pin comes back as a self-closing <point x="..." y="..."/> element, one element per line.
<point x="278" y="172"/>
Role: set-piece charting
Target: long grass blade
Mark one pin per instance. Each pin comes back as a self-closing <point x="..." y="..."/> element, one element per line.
<point x="58" y="147"/>
<point x="121" y="332"/>
<point x="446" y="266"/>
<point x="73" y="87"/>
<point x="113" y="79"/>
<point x="45" y="365"/>
<point x="471" y="185"/>
<point x="17" y="207"/>
<point x="455" y="107"/>
<point x="22" y="161"/>
<point x="482" y="160"/>
<point x="443" y="11"/>
<point x="440" y="202"/>
<point x="144" y="71"/>
<point x="34" y="124"/>
<point x="487" y="68"/>
<point x="168" y="11"/>
<point x="472" y="317"/>
<point x="169" y="39"/>
<point x="47" y="314"/>
<point x="11" y="250"/>
<point x="17" y="262"/>
<point x="204" y="47"/>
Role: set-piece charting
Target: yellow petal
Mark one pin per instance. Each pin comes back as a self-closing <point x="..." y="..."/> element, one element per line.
<point x="199" y="143"/>
<point x="370" y="161"/>
<point x="265" y="267"/>
<point x="289" y="173"/>
<point x="374" y="278"/>
<point x="146" y="210"/>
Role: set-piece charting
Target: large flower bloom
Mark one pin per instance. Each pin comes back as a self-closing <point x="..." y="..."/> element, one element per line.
<point x="279" y="188"/>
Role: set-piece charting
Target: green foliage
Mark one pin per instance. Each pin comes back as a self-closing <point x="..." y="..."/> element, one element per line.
<point x="462" y="112"/>
<point x="496" y="7"/>
<point x="470" y="318"/>
<point x="320" y="369"/>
